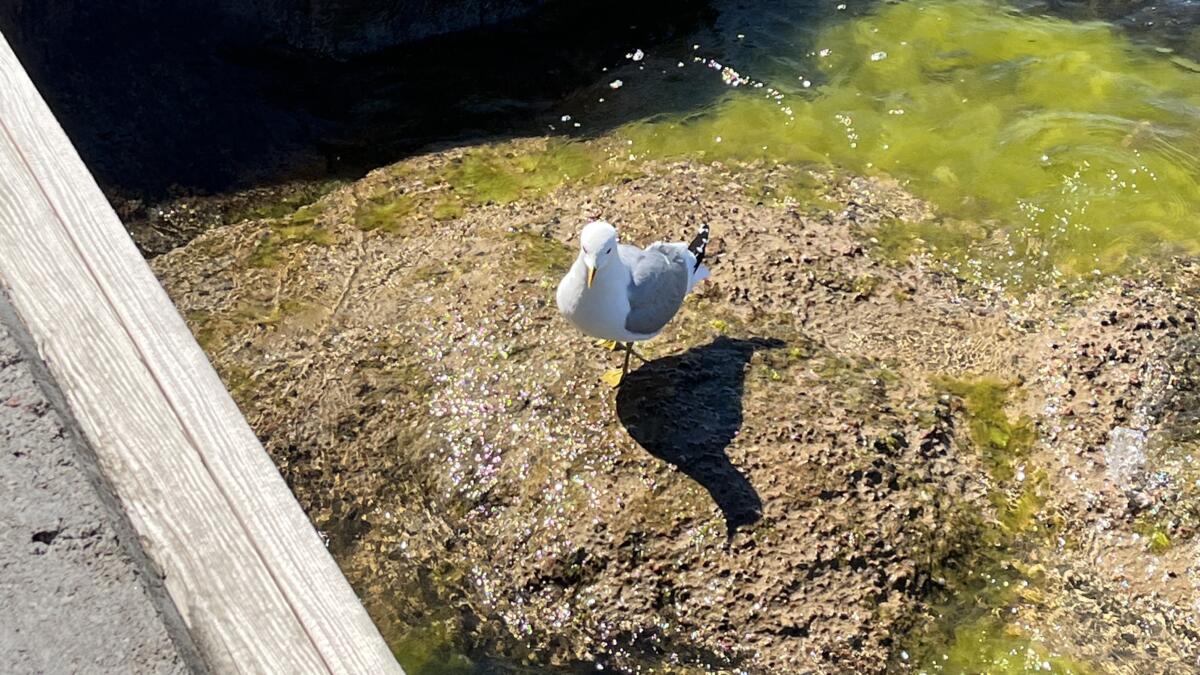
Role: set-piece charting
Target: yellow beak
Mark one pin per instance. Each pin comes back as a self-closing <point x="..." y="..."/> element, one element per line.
<point x="591" y="275"/>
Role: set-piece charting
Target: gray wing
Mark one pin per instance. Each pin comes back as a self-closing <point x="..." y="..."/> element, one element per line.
<point x="659" y="284"/>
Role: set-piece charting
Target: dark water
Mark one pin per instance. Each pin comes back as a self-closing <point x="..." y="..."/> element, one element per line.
<point x="165" y="102"/>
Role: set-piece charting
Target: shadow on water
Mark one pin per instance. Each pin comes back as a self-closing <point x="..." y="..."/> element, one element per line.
<point x="196" y="100"/>
<point x="687" y="409"/>
<point x="162" y="98"/>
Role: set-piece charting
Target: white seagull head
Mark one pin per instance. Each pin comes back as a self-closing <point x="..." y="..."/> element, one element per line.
<point x="597" y="247"/>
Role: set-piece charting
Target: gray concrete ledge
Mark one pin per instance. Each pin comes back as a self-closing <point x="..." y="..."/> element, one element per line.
<point x="77" y="593"/>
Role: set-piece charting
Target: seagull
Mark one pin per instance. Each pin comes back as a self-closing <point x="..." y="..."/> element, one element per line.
<point x="621" y="293"/>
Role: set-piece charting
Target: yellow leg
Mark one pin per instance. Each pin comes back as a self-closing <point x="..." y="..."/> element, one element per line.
<point x="614" y="377"/>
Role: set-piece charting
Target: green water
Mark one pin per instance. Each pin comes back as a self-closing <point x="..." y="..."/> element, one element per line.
<point x="1053" y="149"/>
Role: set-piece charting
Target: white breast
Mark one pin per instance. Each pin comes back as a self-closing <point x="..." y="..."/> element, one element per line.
<point x="598" y="311"/>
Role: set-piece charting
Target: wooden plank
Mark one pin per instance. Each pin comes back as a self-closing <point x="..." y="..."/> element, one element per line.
<point x="249" y="574"/>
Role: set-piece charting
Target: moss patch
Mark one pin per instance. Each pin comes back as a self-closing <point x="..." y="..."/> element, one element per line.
<point x="301" y="227"/>
<point x="385" y="213"/>
<point x="546" y="256"/>
<point x="282" y="206"/>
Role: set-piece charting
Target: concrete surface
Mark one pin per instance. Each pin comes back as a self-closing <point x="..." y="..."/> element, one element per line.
<point x="77" y="594"/>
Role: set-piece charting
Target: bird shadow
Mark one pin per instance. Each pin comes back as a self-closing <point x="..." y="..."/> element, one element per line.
<point x="687" y="409"/>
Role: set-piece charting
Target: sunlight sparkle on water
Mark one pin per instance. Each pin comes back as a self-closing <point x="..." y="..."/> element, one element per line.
<point x="1078" y="146"/>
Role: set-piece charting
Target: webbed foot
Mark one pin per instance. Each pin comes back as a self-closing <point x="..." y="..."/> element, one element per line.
<point x="613" y="377"/>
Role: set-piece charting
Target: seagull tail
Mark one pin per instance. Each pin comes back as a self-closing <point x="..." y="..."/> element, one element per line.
<point x="697" y="247"/>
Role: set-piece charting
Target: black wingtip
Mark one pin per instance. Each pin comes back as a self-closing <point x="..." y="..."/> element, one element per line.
<point x="699" y="244"/>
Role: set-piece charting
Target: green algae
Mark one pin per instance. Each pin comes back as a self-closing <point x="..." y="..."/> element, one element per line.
<point x="1053" y="149"/>
<point x="798" y="188"/>
<point x="497" y="175"/>
<point x="300" y="227"/>
<point x="1173" y="451"/>
<point x="988" y="645"/>
<point x="240" y="382"/>
<point x="899" y="239"/>
<point x="385" y="213"/>
<point x="1160" y="542"/>
<point x="447" y="210"/>
<point x="212" y="330"/>
<point x="1001" y="442"/>
<point x="974" y="630"/>
<point x="266" y="315"/>
<point x="204" y="330"/>
<point x="432" y="274"/>
<point x="983" y="582"/>
<point x="431" y="650"/>
<point x="864" y="285"/>
<point x="491" y="174"/>
<point x="283" y="206"/>
<point x="1004" y="446"/>
<point x="1174" y="517"/>
<point x="543" y="255"/>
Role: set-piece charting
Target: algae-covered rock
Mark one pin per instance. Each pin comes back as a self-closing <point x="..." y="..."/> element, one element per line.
<point x="833" y="461"/>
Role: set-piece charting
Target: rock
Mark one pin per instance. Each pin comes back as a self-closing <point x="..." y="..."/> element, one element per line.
<point x="746" y="499"/>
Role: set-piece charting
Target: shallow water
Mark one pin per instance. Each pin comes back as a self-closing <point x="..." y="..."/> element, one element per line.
<point x="1054" y="148"/>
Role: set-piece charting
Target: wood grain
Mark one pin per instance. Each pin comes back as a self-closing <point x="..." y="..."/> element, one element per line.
<point x="250" y="576"/>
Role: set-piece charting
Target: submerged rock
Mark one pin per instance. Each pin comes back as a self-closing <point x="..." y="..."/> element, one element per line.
<point x="834" y="460"/>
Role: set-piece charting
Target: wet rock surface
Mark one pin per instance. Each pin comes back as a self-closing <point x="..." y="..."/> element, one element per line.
<point x="832" y="461"/>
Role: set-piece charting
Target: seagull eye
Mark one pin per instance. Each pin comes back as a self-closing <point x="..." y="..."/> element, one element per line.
<point x="609" y="250"/>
